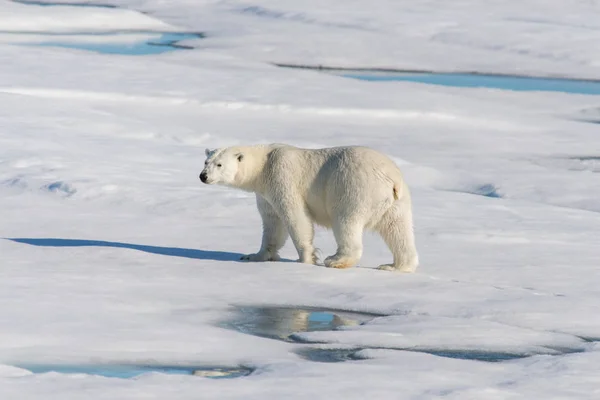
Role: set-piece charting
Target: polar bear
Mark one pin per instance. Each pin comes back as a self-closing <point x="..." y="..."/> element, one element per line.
<point x="347" y="189"/>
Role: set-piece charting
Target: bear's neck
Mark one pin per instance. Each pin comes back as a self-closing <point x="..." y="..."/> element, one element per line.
<point x="249" y="177"/>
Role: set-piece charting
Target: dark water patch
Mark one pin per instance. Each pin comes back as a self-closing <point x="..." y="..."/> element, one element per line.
<point x="341" y="355"/>
<point x="483" y="355"/>
<point x="587" y="158"/>
<point x="282" y="322"/>
<point x="222" y="372"/>
<point x="493" y="356"/>
<point x="61" y="188"/>
<point x="487" y="190"/>
<point x="126" y="371"/>
<point x="475" y="355"/>
<point x="330" y="355"/>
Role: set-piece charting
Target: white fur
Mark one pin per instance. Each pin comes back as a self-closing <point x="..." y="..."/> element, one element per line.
<point x="348" y="189"/>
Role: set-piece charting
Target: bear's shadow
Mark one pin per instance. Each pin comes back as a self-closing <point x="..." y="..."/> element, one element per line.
<point x="165" y="251"/>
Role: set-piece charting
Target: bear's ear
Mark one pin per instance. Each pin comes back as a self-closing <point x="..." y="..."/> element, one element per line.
<point x="240" y="157"/>
<point x="207" y="152"/>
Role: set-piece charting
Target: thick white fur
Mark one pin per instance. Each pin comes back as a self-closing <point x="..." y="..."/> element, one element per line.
<point x="348" y="189"/>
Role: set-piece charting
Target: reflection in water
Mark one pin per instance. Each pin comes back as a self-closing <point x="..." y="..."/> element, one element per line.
<point x="281" y="322"/>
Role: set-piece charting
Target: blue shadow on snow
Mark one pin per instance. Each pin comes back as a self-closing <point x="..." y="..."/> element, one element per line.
<point x="165" y="251"/>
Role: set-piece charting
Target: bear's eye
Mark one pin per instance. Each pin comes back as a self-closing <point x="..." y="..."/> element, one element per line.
<point x="219" y="165"/>
<point x="205" y="162"/>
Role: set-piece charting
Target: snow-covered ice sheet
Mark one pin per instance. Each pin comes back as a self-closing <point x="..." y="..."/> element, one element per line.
<point x="522" y="37"/>
<point x="113" y="251"/>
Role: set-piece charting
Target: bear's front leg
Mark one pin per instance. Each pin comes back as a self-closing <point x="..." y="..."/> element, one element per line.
<point x="301" y="229"/>
<point x="274" y="233"/>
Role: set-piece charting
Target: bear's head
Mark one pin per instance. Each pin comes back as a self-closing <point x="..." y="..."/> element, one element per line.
<point x="221" y="166"/>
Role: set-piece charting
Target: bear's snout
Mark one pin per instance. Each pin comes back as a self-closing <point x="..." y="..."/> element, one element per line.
<point x="203" y="177"/>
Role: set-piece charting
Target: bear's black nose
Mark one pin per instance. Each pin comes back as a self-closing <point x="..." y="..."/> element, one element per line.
<point x="203" y="177"/>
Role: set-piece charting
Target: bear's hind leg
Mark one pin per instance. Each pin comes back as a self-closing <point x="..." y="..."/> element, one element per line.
<point x="348" y="234"/>
<point x="396" y="229"/>
<point x="274" y="235"/>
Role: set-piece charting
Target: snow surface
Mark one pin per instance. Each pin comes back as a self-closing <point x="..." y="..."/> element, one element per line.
<point x="113" y="251"/>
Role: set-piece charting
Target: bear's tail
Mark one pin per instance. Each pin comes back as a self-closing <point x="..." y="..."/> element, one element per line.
<point x="397" y="191"/>
<point x="401" y="191"/>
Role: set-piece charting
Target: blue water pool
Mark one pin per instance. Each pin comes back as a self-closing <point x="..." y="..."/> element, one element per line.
<point x="131" y="371"/>
<point x="108" y="42"/>
<point x="487" y="81"/>
<point x="163" y="43"/>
